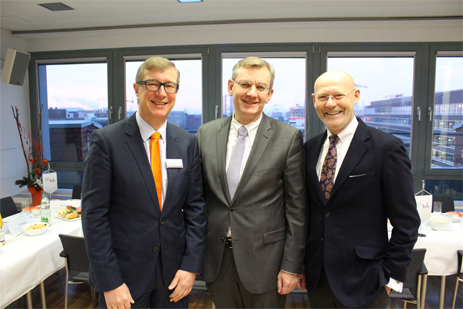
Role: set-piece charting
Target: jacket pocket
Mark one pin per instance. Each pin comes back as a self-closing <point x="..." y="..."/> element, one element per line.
<point x="121" y="244"/>
<point x="268" y="171"/>
<point x="370" y="253"/>
<point x="274" y="236"/>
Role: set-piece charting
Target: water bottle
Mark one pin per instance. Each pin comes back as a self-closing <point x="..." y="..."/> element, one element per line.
<point x="45" y="210"/>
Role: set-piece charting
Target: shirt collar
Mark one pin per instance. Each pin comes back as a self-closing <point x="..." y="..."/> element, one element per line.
<point x="146" y="130"/>
<point x="251" y="127"/>
<point x="348" y="132"/>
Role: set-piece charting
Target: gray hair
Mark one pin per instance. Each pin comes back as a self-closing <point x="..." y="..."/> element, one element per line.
<point x="158" y="63"/>
<point x="254" y="62"/>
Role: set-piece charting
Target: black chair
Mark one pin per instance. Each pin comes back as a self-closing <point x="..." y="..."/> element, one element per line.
<point x="446" y="200"/>
<point x="76" y="192"/>
<point x="77" y="264"/>
<point x="459" y="277"/>
<point x="7" y="207"/>
<point x="415" y="281"/>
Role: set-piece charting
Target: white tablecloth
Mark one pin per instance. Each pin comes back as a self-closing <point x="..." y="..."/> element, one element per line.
<point x="25" y="261"/>
<point x="442" y="246"/>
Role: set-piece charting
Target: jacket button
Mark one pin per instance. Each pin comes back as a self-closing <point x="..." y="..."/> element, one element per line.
<point x="161" y="221"/>
<point x="328" y="214"/>
<point x="155" y="249"/>
<point x="321" y="239"/>
<point x="231" y="209"/>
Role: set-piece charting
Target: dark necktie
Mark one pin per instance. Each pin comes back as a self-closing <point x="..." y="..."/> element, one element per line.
<point x="329" y="168"/>
<point x="236" y="159"/>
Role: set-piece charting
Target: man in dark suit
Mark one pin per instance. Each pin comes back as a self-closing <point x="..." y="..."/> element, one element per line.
<point x="145" y="236"/>
<point x="357" y="178"/>
<point x="256" y="206"/>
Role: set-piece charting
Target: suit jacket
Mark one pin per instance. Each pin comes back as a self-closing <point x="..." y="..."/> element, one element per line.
<point x="125" y="232"/>
<point x="268" y="212"/>
<point x="348" y="234"/>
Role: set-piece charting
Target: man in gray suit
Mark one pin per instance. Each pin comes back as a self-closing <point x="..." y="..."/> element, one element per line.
<point x="253" y="169"/>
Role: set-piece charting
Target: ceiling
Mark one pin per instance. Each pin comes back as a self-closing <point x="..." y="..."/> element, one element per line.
<point x="26" y="16"/>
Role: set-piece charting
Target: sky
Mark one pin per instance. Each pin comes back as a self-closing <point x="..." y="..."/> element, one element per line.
<point x="85" y="85"/>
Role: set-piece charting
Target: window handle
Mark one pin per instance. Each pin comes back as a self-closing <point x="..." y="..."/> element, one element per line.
<point x="110" y="112"/>
<point x="216" y="112"/>
<point x="119" y="112"/>
<point x="418" y="113"/>
<point x="430" y="113"/>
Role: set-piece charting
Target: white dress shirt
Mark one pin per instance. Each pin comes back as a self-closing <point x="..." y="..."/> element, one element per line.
<point x="146" y="131"/>
<point x="233" y="137"/>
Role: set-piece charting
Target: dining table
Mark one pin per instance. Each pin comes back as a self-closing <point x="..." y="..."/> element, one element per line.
<point x="26" y="261"/>
<point x="441" y="251"/>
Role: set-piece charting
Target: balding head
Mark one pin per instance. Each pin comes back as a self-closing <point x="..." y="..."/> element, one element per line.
<point x="334" y="99"/>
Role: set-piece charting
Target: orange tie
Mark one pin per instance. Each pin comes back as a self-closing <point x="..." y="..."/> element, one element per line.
<point x="156" y="164"/>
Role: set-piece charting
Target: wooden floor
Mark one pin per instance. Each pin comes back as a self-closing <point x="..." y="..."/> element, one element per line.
<point x="79" y="296"/>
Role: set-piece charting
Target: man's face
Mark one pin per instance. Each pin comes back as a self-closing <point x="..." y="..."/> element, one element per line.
<point x="335" y="114"/>
<point x="249" y="103"/>
<point x="155" y="106"/>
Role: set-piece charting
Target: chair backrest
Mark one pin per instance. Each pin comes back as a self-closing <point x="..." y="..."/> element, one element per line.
<point x="416" y="265"/>
<point x="447" y="202"/>
<point x="74" y="247"/>
<point x="76" y="191"/>
<point x="7" y="207"/>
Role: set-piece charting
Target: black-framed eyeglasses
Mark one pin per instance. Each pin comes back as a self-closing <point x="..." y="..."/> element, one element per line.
<point x="247" y="86"/>
<point x="154" y="85"/>
<point x="336" y="97"/>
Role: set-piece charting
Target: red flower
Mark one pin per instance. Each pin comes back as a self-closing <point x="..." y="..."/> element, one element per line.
<point x="33" y="161"/>
<point x="37" y="171"/>
<point x="44" y="162"/>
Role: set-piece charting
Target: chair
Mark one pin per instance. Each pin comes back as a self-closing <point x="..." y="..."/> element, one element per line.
<point x="446" y="200"/>
<point x="459" y="277"/>
<point x="76" y="192"/>
<point x="7" y="207"/>
<point x="77" y="264"/>
<point x="415" y="281"/>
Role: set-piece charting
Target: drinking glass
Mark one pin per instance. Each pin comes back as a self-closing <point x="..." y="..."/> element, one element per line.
<point x="437" y="208"/>
<point x="24" y="207"/>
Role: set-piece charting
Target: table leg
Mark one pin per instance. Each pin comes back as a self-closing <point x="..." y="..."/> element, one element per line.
<point x="29" y="300"/>
<point x="442" y="292"/>
<point x="423" y="294"/>
<point x="42" y="291"/>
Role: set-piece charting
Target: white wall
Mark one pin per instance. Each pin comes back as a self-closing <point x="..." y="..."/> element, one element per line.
<point x="12" y="162"/>
<point x="368" y="31"/>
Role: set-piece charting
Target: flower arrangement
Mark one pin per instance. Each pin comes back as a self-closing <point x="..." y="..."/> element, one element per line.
<point x="33" y="154"/>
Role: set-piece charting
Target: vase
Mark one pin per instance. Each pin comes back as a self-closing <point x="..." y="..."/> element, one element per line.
<point x="36" y="196"/>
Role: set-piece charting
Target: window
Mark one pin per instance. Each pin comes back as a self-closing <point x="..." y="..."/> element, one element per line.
<point x="447" y="133"/>
<point x="386" y="92"/>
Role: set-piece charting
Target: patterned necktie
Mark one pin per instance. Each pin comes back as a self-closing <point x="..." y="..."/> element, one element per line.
<point x="329" y="168"/>
<point x="156" y="164"/>
<point x="236" y="159"/>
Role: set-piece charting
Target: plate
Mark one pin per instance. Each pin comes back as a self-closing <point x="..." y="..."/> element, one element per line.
<point x="68" y="220"/>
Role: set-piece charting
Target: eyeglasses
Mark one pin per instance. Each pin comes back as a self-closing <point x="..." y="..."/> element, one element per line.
<point x="154" y="85"/>
<point x="247" y="86"/>
<point x="336" y="97"/>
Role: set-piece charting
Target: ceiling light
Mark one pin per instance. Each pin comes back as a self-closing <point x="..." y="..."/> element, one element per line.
<point x="189" y="1"/>
<point x="56" y="6"/>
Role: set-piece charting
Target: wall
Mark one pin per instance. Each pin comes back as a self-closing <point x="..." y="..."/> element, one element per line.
<point x="12" y="162"/>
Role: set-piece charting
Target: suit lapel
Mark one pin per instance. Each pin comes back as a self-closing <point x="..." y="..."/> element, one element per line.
<point x="135" y="144"/>
<point x="172" y="152"/>
<point x="357" y="149"/>
<point x="312" y="166"/>
<point x="263" y="137"/>
<point x="222" y="140"/>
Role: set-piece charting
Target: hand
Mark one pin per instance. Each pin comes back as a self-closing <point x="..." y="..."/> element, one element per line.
<point x="119" y="298"/>
<point x="301" y="284"/>
<point x="286" y="282"/>
<point x="388" y="289"/>
<point x="182" y="283"/>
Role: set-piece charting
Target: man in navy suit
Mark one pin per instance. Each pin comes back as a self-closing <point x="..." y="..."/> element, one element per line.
<point x="350" y="261"/>
<point x="145" y="248"/>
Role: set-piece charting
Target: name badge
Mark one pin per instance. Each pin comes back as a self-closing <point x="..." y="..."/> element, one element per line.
<point x="174" y="163"/>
